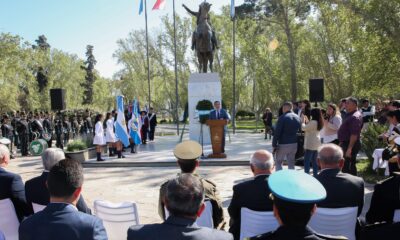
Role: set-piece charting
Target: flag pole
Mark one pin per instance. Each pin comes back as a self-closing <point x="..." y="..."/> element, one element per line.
<point x="147" y="53"/>
<point x="234" y="70"/>
<point x="176" y="74"/>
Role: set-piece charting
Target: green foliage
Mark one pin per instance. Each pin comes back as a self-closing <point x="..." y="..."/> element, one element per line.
<point x="76" y="145"/>
<point x="204" y="105"/>
<point x="243" y="114"/>
<point x="20" y="64"/>
<point x="370" y="140"/>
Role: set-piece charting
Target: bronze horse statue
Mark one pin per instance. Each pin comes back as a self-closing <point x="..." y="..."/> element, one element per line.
<point x="204" y="40"/>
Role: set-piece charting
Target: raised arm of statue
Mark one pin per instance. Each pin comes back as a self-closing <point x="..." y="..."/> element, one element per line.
<point x="190" y="11"/>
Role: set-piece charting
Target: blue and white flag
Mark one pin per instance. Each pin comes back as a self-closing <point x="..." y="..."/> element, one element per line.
<point x="120" y="124"/>
<point x="135" y="124"/>
<point x="232" y="9"/>
<point x="141" y="7"/>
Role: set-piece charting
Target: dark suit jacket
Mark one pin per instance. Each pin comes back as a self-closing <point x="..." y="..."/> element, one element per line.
<point x="61" y="221"/>
<point x="294" y="233"/>
<point x="222" y="115"/>
<point x="11" y="186"/>
<point x="386" y="231"/>
<point x="36" y="192"/>
<point x="343" y="190"/>
<point x="176" y="228"/>
<point x="252" y="194"/>
<point x="385" y="200"/>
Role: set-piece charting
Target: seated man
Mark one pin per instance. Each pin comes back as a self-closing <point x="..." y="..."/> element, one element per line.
<point x="386" y="198"/>
<point x="60" y="219"/>
<point x="36" y="190"/>
<point x="252" y="194"/>
<point x="185" y="202"/>
<point x="11" y="186"/>
<point x="187" y="154"/>
<point x="294" y="196"/>
<point x="343" y="189"/>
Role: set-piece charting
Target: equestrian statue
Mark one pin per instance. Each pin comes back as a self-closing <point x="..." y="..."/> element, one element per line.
<point x="204" y="40"/>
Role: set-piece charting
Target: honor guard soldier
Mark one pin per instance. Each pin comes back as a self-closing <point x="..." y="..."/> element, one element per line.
<point x="59" y="130"/>
<point x="294" y="195"/>
<point x="23" y="133"/>
<point x="48" y="129"/>
<point x="67" y="130"/>
<point x="7" y="131"/>
<point x="187" y="154"/>
<point x="153" y="123"/>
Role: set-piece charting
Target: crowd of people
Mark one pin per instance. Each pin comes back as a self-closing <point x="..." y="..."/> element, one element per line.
<point x="331" y="143"/>
<point x="19" y="129"/>
<point x="293" y="197"/>
<point x="300" y="130"/>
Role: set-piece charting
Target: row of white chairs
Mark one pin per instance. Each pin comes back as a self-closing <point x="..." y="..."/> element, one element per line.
<point x="118" y="217"/>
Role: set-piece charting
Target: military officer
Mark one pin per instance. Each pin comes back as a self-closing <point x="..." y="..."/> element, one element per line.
<point x="294" y="195"/>
<point x="187" y="154"/>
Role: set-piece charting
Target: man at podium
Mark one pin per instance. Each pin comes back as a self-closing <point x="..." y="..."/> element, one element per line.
<point x="220" y="114"/>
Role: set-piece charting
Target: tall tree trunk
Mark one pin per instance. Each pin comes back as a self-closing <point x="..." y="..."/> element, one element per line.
<point x="292" y="57"/>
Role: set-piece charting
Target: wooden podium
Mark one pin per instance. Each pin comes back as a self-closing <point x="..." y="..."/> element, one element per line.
<point x="217" y="134"/>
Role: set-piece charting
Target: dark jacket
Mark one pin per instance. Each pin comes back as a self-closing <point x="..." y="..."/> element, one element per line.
<point x="386" y="231"/>
<point x="12" y="187"/>
<point x="343" y="190"/>
<point x="152" y="120"/>
<point x="222" y="115"/>
<point x="176" y="228"/>
<point x="36" y="192"/>
<point x="286" y="129"/>
<point x="385" y="200"/>
<point x="61" y="221"/>
<point x="252" y="194"/>
<point x="293" y="233"/>
<point x="267" y="119"/>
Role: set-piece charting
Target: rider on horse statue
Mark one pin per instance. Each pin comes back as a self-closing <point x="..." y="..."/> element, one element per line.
<point x="204" y="40"/>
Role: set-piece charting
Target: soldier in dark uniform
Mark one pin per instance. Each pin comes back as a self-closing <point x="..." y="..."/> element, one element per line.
<point x="36" y="127"/>
<point x="14" y="119"/>
<point x="153" y="123"/>
<point x="59" y="130"/>
<point x="7" y="131"/>
<point x="75" y="127"/>
<point x="67" y="130"/>
<point x="294" y="204"/>
<point x="88" y="123"/>
<point x="187" y="154"/>
<point x="48" y="129"/>
<point x="23" y="133"/>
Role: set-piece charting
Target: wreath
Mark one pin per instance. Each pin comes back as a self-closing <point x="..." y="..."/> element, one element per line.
<point x="204" y="105"/>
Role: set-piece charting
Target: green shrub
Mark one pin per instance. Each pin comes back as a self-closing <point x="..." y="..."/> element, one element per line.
<point x="370" y="139"/>
<point x="77" y="145"/>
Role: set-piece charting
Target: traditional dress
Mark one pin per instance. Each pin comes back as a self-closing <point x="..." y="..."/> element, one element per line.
<point x="110" y="135"/>
<point x="99" y="138"/>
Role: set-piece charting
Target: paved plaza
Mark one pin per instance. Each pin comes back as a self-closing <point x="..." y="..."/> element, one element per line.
<point x="141" y="184"/>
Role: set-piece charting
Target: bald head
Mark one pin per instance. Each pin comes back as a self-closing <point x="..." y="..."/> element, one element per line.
<point x="262" y="162"/>
<point x="4" y="155"/>
<point x="330" y="156"/>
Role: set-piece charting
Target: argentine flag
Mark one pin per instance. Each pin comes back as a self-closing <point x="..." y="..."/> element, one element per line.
<point x="135" y="124"/>
<point x="120" y="125"/>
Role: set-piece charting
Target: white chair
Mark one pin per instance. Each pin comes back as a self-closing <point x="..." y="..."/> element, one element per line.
<point x="117" y="217"/>
<point x="37" y="207"/>
<point x="253" y="223"/>
<point x="9" y="222"/>
<point x="206" y="217"/>
<point x="335" y="221"/>
<point x="396" y="217"/>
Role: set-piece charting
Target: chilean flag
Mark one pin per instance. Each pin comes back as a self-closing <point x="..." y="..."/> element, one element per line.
<point x="159" y="5"/>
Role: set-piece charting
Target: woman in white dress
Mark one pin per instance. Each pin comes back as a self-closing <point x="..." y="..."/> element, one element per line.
<point x="99" y="140"/>
<point x="111" y="139"/>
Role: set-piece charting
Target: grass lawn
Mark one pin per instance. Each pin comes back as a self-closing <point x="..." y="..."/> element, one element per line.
<point x="365" y="171"/>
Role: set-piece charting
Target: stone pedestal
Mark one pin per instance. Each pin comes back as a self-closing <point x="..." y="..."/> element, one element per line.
<point x="202" y="86"/>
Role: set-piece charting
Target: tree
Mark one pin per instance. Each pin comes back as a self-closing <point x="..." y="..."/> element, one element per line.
<point x="288" y="15"/>
<point x="43" y="48"/>
<point x="90" y="75"/>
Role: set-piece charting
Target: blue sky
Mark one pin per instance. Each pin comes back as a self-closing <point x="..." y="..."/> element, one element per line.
<point x="70" y="25"/>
